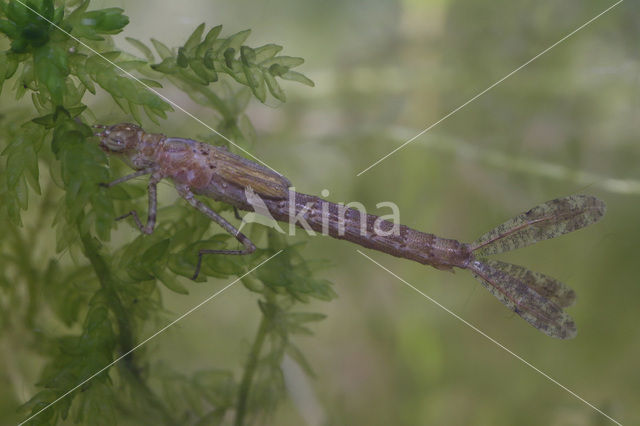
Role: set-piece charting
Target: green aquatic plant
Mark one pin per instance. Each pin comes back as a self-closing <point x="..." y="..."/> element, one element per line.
<point x="102" y="297"/>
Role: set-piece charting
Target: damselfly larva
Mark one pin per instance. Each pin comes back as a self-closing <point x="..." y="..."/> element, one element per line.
<point x="197" y="168"/>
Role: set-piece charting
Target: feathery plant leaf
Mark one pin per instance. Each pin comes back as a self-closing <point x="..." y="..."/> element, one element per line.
<point x="200" y="60"/>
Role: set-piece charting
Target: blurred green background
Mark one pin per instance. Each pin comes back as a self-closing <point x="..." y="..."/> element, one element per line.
<point x="385" y="70"/>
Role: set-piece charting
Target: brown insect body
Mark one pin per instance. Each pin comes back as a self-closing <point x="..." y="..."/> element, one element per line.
<point x="348" y="224"/>
<point x="190" y="162"/>
<point x="198" y="168"/>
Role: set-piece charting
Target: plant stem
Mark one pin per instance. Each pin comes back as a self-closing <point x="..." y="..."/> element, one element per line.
<point x="156" y="410"/>
<point x="249" y="371"/>
<point x="125" y="335"/>
<point x="106" y="282"/>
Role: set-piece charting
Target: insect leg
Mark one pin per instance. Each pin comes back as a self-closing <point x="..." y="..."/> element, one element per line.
<point x="125" y="178"/>
<point x="249" y="247"/>
<point x="236" y="213"/>
<point x="153" y="204"/>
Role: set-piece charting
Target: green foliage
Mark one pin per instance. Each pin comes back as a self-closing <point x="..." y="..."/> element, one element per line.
<point x="29" y="27"/>
<point x="200" y="60"/>
<point x="73" y="359"/>
<point x="86" y="203"/>
<point x="104" y="298"/>
<point x="21" y="161"/>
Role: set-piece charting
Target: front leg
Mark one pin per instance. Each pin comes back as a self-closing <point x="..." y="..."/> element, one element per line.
<point x="153" y="205"/>
<point x="249" y="247"/>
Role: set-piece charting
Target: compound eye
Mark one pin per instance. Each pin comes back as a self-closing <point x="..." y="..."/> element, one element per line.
<point x="115" y="143"/>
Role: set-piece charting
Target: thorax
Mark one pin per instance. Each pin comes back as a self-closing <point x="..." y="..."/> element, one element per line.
<point x="185" y="161"/>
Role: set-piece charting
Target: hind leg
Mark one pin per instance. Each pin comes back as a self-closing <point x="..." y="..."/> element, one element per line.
<point x="249" y="247"/>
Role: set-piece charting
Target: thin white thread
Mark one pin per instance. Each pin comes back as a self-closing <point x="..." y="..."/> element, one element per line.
<point x="151" y="337"/>
<point x="518" y="357"/>
<point x="489" y="88"/>
<point x="152" y="90"/>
